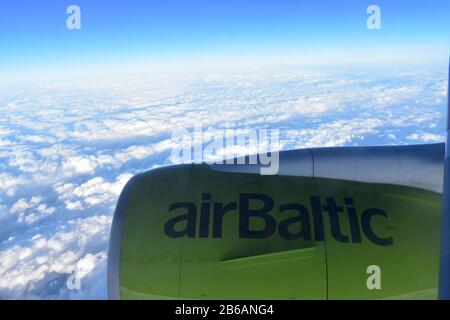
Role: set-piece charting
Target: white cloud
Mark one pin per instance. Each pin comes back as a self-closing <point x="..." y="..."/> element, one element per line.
<point x="76" y="165"/>
<point x="67" y="150"/>
<point x="19" y="206"/>
<point x="426" y="137"/>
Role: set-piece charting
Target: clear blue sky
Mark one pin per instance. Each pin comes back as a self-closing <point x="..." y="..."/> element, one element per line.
<point x="34" y="37"/>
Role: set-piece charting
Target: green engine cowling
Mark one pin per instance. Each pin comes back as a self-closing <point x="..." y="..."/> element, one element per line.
<point x="193" y="232"/>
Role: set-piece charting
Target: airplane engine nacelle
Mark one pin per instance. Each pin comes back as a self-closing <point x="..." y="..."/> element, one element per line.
<point x="206" y="232"/>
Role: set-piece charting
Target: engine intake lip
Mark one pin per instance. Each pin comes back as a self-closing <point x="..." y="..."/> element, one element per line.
<point x="115" y="240"/>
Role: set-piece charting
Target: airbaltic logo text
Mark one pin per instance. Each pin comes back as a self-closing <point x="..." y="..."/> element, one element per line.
<point x="257" y="219"/>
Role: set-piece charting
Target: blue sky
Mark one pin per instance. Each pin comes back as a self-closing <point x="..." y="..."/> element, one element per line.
<point x="34" y="38"/>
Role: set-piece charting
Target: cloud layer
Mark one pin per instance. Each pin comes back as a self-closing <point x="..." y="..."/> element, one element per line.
<point x="67" y="149"/>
